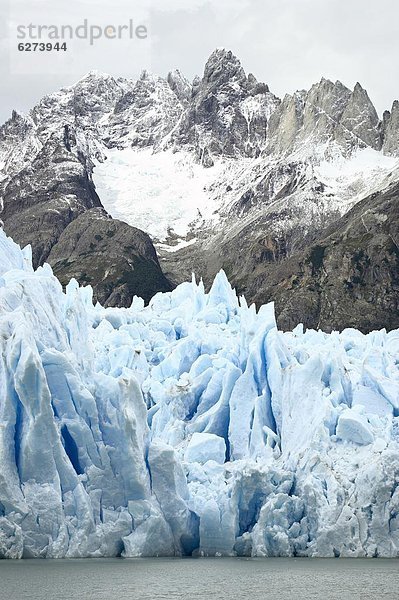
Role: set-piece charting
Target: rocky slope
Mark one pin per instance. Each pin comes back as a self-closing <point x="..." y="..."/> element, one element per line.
<point x="49" y="199"/>
<point x="347" y="277"/>
<point x="220" y="173"/>
<point x="118" y="260"/>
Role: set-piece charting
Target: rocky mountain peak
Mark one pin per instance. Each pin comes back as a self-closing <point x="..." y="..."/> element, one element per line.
<point x="17" y="124"/>
<point x="221" y="67"/>
<point x="179" y="85"/>
<point x="228" y="111"/>
<point x="328" y="113"/>
<point x="147" y="112"/>
<point x="95" y="96"/>
<point x="145" y="75"/>
<point x="16" y="116"/>
<point x="92" y="76"/>
<point x="255" y="86"/>
<point x="391" y="130"/>
<point x="96" y="82"/>
<point x="82" y="105"/>
<point x="360" y="120"/>
<point x="327" y="99"/>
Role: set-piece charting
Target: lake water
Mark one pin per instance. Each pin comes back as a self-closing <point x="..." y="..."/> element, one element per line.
<point x="192" y="579"/>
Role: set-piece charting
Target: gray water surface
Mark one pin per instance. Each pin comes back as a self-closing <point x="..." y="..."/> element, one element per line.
<point x="192" y="579"/>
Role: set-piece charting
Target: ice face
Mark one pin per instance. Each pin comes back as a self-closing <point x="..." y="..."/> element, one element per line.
<point x="190" y="426"/>
<point x="354" y="427"/>
<point x="205" y="446"/>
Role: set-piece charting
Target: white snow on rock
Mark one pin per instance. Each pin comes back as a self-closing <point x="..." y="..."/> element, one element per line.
<point x="191" y="426"/>
<point x="349" y="179"/>
<point x="177" y="201"/>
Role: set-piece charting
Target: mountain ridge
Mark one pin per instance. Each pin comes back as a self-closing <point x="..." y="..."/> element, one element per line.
<point x="276" y="170"/>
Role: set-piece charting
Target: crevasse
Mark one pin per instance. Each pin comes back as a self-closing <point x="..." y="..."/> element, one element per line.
<point x="191" y="426"/>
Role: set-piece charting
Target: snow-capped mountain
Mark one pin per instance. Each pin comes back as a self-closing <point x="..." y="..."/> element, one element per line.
<point x="191" y="426"/>
<point x="219" y="172"/>
<point x="184" y="422"/>
<point x="49" y="199"/>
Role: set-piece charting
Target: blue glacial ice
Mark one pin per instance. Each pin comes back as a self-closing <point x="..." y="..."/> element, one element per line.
<point x="191" y="426"/>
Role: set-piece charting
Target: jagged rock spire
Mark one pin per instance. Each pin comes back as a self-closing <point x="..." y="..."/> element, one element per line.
<point x="391" y="131"/>
<point x="228" y="112"/>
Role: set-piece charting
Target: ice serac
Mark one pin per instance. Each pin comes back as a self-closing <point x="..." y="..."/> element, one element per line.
<point x="191" y="426"/>
<point x="205" y="446"/>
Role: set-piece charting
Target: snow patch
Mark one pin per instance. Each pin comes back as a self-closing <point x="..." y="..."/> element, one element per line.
<point x="160" y="193"/>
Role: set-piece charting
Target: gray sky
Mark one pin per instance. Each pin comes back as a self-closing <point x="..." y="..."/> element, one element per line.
<point x="289" y="44"/>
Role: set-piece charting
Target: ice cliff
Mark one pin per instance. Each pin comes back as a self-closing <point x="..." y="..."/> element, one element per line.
<point x="190" y="426"/>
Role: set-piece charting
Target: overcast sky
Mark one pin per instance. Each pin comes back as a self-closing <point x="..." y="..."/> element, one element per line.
<point x="289" y="44"/>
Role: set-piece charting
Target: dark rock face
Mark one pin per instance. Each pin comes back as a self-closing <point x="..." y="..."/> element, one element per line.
<point x="348" y="277"/>
<point x="115" y="259"/>
<point x="42" y="199"/>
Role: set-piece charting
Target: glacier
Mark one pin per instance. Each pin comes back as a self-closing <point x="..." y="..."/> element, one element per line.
<point x="189" y="427"/>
